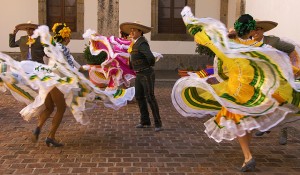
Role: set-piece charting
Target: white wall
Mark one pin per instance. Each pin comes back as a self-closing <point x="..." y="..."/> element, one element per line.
<point x="129" y="13"/>
<point x="90" y="22"/>
<point x="285" y="13"/>
<point x="27" y="10"/>
<point x="12" y="13"/>
<point x="231" y="13"/>
<point x="208" y="8"/>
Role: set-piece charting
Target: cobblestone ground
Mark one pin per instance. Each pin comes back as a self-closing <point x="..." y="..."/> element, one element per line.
<point x="111" y="145"/>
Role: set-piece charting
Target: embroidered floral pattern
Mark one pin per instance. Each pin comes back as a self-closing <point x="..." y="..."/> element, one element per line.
<point x="67" y="54"/>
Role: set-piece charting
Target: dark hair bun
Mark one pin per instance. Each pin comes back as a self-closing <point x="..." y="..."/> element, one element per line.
<point x="244" y="25"/>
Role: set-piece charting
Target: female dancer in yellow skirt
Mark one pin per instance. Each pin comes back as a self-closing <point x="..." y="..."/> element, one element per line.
<point x="249" y="93"/>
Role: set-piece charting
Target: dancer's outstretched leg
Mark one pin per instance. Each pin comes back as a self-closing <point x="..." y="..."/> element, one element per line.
<point x="59" y="101"/>
<point x="49" y="105"/>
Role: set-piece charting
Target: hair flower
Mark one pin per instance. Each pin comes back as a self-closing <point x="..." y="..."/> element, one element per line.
<point x="65" y="32"/>
<point x="55" y="26"/>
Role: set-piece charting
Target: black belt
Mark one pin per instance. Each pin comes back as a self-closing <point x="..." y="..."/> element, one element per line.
<point x="140" y="70"/>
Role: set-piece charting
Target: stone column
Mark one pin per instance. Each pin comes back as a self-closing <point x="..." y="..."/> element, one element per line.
<point x="108" y="17"/>
<point x="42" y="14"/>
<point x="240" y="8"/>
<point x="224" y="11"/>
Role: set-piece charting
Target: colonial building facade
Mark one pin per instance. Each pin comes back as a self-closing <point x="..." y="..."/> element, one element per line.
<point x="167" y="37"/>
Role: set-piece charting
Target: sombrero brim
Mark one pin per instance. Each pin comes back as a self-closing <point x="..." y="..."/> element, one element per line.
<point x="26" y="26"/>
<point x="266" y="25"/>
<point x="127" y="26"/>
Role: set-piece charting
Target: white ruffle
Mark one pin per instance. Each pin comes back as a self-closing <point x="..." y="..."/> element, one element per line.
<point x="32" y="76"/>
<point x="231" y="130"/>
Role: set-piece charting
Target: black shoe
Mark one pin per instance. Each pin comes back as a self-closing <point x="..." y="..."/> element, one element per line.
<point x="53" y="142"/>
<point x="259" y="133"/>
<point x="143" y="126"/>
<point x="157" y="129"/>
<point x="249" y="166"/>
<point x="283" y="136"/>
<point x="36" y="134"/>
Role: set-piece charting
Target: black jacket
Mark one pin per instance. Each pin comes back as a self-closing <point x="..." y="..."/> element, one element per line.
<point x="279" y="44"/>
<point x="141" y="56"/>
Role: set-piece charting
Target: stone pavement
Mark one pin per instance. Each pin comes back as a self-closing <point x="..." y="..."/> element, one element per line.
<point x="111" y="145"/>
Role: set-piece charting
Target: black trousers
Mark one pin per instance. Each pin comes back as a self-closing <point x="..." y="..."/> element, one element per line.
<point x="144" y="91"/>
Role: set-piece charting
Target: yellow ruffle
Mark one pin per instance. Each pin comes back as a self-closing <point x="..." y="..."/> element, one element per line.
<point x="228" y="116"/>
